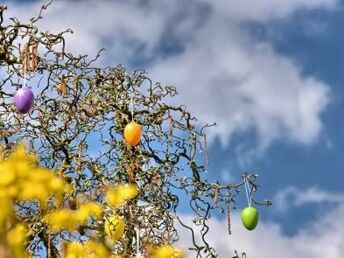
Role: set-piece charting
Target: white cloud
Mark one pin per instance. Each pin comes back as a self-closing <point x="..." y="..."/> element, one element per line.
<point x="121" y="26"/>
<point x="264" y="10"/>
<point x="323" y="238"/>
<point x="242" y="87"/>
<point x="292" y="196"/>
<point x="223" y="74"/>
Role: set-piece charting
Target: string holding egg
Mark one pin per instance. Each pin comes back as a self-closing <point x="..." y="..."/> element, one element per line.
<point x="249" y="216"/>
<point x="132" y="131"/>
<point x="24" y="97"/>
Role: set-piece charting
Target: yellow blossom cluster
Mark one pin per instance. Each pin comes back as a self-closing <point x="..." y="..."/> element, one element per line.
<point x="16" y="238"/>
<point x="166" y="251"/>
<point x="90" y="249"/>
<point x="21" y="179"/>
<point x="71" y="219"/>
<point x="117" y="196"/>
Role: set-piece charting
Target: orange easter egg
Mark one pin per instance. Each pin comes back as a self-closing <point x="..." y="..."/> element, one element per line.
<point x="132" y="133"/>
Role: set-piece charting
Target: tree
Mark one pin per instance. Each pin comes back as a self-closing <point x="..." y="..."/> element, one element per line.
<point x="76" y="127"/>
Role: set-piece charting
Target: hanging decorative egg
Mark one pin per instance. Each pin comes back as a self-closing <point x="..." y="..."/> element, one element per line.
<point x="114" y="227"/>
<point x="250" y="217"/>
<point x="132" y="133"/>
<point x="24" y="99"/>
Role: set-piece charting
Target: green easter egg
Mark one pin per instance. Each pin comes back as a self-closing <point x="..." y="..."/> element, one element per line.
<point x="249" y="217"/>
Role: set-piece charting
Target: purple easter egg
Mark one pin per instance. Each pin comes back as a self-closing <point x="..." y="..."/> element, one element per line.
<point x="23" y="99"/>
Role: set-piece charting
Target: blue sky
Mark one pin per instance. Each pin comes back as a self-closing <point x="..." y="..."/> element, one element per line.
<point x="269" y="73"/>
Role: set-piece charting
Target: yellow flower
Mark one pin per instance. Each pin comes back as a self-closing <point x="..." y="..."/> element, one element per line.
<point x="61" y="219"/>
<point x="89" y="209"/>
<point x="56" y="185"/>
<point x="70" y="219"/>
<point x="12" y="190"/>
<point x="119" y="195"/>
<point x="7" y="175"/>
<point x="96" y="250"/>
<point x="32" y="191"/>
<point x="6" y="212"/>
<point x="21" y="154"/>
<point x="74" y="250"/>
<point x="114" y="227"/>
<point x="89" y="249"/>
<point x="16" y="236"/>
<point x="21" y="179"/>
<point x="166" y="251"/>
<point x="130" y="191"/>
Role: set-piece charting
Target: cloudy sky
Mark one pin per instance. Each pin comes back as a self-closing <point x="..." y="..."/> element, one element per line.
<point x="268" y="72"/>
